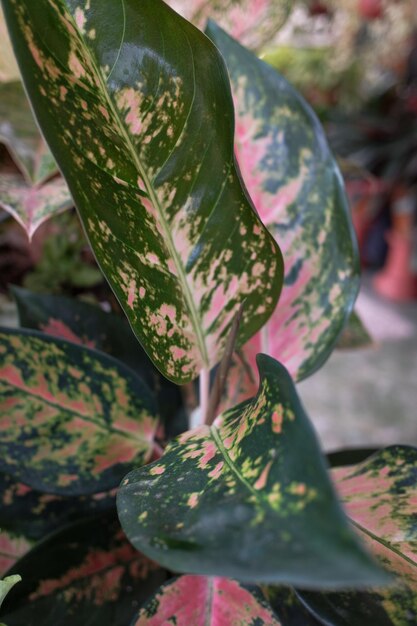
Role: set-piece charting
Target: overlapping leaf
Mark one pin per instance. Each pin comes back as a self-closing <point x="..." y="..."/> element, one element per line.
<point x="34" y="514"/>
<point x="136" y="107"/>
<point x="72" y="420"/>
<point x="20" y="134"/>
<point x="84" y="323"/>
<point x="252" y="23"/>
<point x="6" y="585"/>
<point x="235" y="500"/>
<point x="297" y="189"/>
<point x="85" y="574"/>
<point x="380" y="498"/>
<point x="199" y="601"/>
<point x="32" y="205"/>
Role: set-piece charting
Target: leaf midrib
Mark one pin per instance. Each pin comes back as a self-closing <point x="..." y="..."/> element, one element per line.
<point x="383" y="542"/>
<point x="195" y="318"/>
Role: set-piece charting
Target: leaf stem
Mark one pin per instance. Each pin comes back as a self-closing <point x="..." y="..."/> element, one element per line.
<point x="204" y="393"/>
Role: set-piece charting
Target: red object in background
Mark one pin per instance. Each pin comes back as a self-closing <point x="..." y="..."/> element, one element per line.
<point x="318" y="8"/>
<point x="370" y="9"/>
<point x="398" y="279"/>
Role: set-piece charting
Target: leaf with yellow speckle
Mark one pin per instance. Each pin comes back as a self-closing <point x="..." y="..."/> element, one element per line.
<point x="253" y="23"/>
<point x="298" y="191"/>
<point x="135" y="104"/>
<point x="248" y="498"/>
<point x="72" y="420"/>
<point x="200" y="601"/>
<point x="87" y="573"/>
<point x="380" y="498"/>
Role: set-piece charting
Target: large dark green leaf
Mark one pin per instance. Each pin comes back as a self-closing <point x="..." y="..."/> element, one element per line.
<point x="380" y="497"/>
<point x="135" y="104"/>
<point x="248" y="498"/>
<point x="35" y="514"/>
<point x="298" y="192"/>
<point x="200" y="601"/>
<point x="85" y="574"/>
<point x="18" y="131"/>
<point x="87" y="324"/>
<point x="289" y="608"/>
<point x="71" y="419"/>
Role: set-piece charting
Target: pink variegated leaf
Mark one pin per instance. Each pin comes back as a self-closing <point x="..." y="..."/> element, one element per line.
<point x="252" y="22"/>
<point x="380" y="497"/>
<point x="72" y="420"/>
<point x="200" y="601"/>
<point x="31" y="205"/>
<point x="12" y="548"/>
<point x="297" y="189"/>
<point x="135" y="105"/>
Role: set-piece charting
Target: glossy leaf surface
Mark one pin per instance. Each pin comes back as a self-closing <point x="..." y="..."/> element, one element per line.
<point x="35" y="514"/>
<point x="136" y="107"/>
<point x="32" y="205"/>
<point x="85" y="574"/>
<point x="234" y="500"/>
<point x="298" y="192"/>
<point x="72" y="420"/>
<point x="6" y="585"/>
<point x="199" y="601"/>
<point x="20" y="134"/>
<point x="87" y="324"/>
<point x="289" y="608"/>
<point x="380" y="498"/>
<point x="253" y="23"/>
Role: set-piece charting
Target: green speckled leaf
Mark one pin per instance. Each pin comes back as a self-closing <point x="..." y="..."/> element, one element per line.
<point x="32" y="205"/>
<point x="248" y="498"/>
<point x="136" y="107"/>
<point x="298" y="192"/>
<point x="35" y="514"/>
<point x="200" y="601"/>
<point x="72" y="420"/>
<point x="380" y="498"/>
<point x="253" y="22"/>
<point x="87" y="324"/>
<point x="20" y="134"/>
<point x="86" y="574"/>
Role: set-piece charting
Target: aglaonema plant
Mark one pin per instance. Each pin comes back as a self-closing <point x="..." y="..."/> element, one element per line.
<point x="237" y="521"/>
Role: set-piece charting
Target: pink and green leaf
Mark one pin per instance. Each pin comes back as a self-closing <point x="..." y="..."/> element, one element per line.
<point x="297" y="189"/>
<point x="12" y="548"/>
<point x="136" y="107"/>
<point x="87" y="573"/>
<point x="31" y="205"/>
<point x="200" y="601"/>
<point x="252" y="22"/>
<point x="380" y="498"/>
<point x="20" y="134"/>
<point x="72" y="420"/>
<point x="234" y="500"/>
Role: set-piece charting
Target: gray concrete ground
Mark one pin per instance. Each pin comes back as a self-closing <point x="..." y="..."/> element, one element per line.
<point x="368" y="397"/>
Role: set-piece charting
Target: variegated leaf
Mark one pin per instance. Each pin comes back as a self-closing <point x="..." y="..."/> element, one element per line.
<point x="252" y="22"/>
<point x="12" y="548"/>
<point x="298" y="192"/>
<point x="35" y="514"/>
<point x="32" y="205"/>
<point x="199" y="601"/>
<point x="380" y="496"/>
<point x="87" y="324"/>
<point x="72" y="420"/>
<point x="234" y="499"/>
<point x="18" y="131"/>
<point x="85" y="574"/>
<point x="135" y="104"/>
